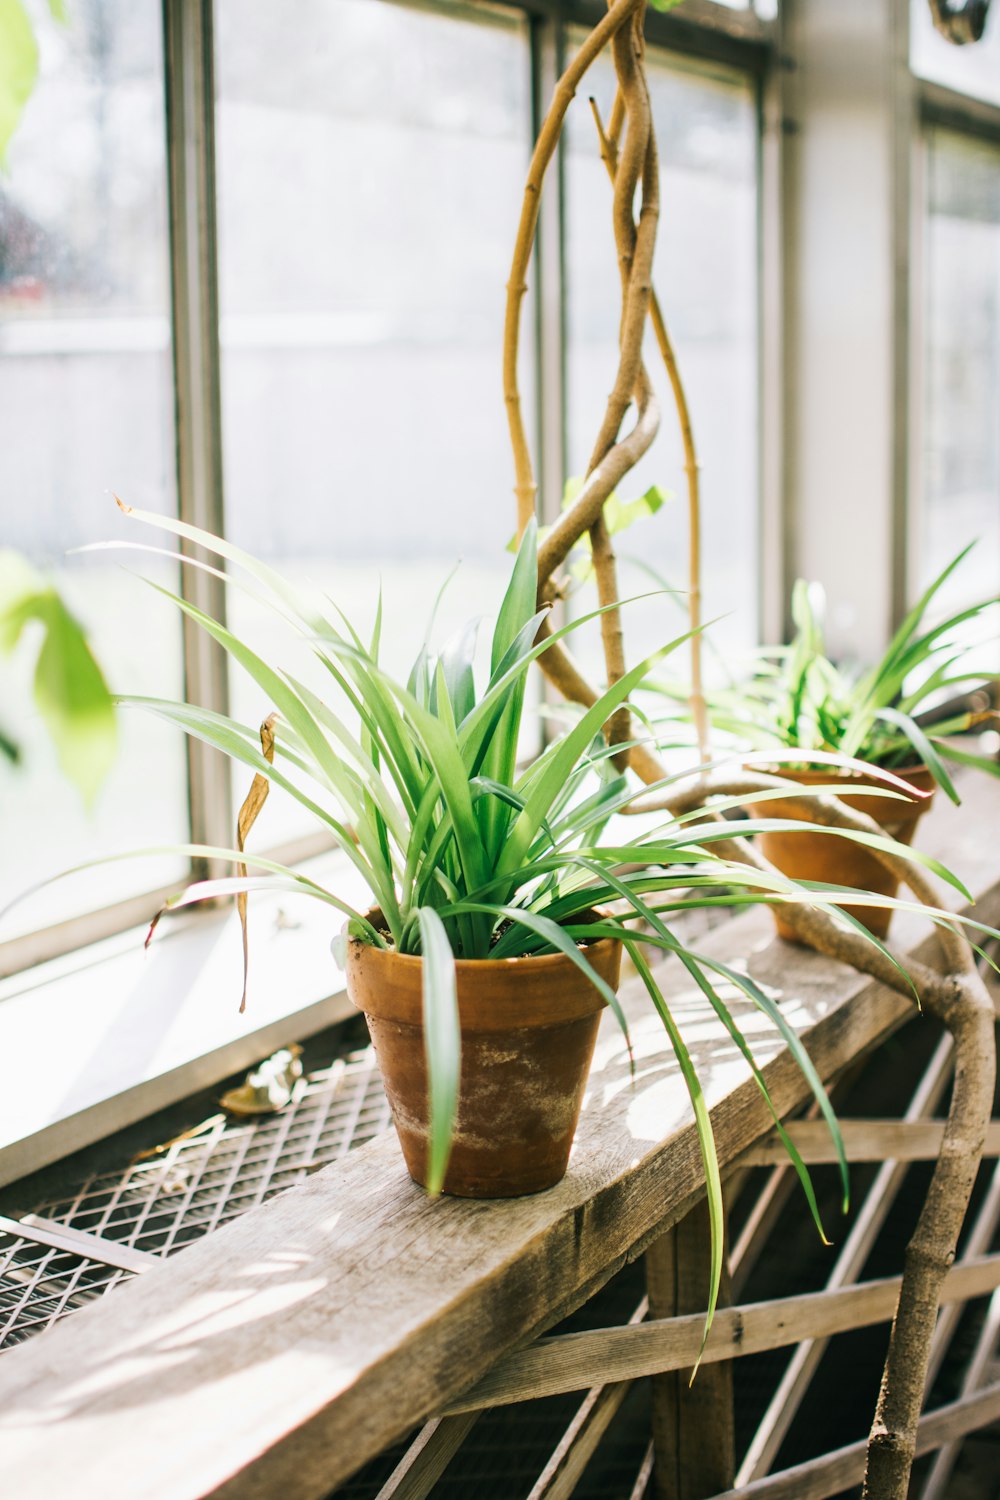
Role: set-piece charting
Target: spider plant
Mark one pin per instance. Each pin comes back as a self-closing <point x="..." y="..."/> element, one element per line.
<point x="466" y="854"/>
<point x="894" y="714"/>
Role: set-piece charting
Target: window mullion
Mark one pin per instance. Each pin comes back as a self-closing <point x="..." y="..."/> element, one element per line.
<point x="190" y="96"/>
<point x="550" y="290"/>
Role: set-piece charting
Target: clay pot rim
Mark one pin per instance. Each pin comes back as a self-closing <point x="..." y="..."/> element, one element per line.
<point x="534" y="961"/>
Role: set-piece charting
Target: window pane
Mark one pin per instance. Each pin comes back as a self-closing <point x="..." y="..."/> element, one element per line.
<point x="369" y="187"/>
<point x="972" y="69"/>
<point x="85" y="389"/>
<point x="705" y="275"/>
<point x="960" y="498"/>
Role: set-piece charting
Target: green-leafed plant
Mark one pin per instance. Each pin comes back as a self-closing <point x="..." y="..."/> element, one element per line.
<point x="465" y="853"/>
<point x="887" y="715"/>
<point x="70" y="692"/>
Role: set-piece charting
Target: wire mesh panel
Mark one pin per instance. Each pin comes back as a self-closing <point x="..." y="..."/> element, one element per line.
<point x="174" y="1193"/>
<point x="220" y="1169"/>
<point x="39" y="1285"/>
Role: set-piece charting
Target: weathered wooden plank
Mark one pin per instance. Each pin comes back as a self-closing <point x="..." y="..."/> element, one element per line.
<point x="572" y="1361"/>
<point x="833" y="1472"/>
<point x="694" y="1440"/>
<point x="294" y="1343"/>
<point x="864" y="1140"/>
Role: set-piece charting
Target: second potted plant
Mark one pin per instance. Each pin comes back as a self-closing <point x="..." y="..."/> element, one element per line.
<point x="898" y="716"/>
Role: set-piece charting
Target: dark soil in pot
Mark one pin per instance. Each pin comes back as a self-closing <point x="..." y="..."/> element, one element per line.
<point x="528" y="1031"/>
<point x="825" y="858"/>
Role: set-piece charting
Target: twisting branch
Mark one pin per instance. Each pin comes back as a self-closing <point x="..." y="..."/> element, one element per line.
<point x="696" y="697"/>
<point x="548" y="139"/>
<point x="612" y="455"/>
<point x="958" y="998"/>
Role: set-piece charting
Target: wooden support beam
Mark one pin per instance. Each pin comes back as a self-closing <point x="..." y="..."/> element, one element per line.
<point x="579" y="1442"/>
<point x="694" y="1439"/>
<point x="976" y="1241"/>
<point x="837" y="1471"/>
<point x="983" y="1355"/>
<point x="576" y="1360"/>
<point x="864" y="1140"/>
<point x="851" y="1257"/>
<point x="427" y="1457"/>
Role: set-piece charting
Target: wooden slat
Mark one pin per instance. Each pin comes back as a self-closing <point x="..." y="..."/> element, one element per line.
<point x="571" y="1361"/>
<point x="579" y="1443"/>
<point x="583" y="1434"/>
<point x="822" y="1477"/>
<point x="279" y="1354"/>
<point x="864" y="1140"/>
<point x="427" y="1457"/>
<point x="977" y="1240"/>
<point x="78" y="1242"/>
<point x="694" y="1440"/>
<point x="851" y="1257"/>
<point x="982" y="1357"/>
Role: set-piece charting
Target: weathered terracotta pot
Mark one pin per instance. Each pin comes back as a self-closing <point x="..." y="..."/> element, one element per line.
<point x="528" y="1031"/>
<point x="831" y="860"/>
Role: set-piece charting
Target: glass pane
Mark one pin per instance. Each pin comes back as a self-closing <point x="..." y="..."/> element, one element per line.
<point x="705" y="275"/>
<point x="971" y="69"/>
<point x="85" y="389"/>
<point x="370" y="164"/>
<point x="960" y="497"/>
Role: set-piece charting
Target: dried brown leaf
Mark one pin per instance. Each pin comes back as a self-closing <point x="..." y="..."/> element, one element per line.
<point x="256" y="797"/>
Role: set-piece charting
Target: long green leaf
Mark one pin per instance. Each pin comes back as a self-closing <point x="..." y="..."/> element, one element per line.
<point x="706" y="1140"/>
<point x="442" y="1042"/>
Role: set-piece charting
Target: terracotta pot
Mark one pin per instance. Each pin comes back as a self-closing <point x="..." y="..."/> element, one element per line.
<point x="836" y="861"/>
<point x="528" y="1031"/>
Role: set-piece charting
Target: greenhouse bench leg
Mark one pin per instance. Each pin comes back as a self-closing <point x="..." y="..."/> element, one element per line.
<point x="693" y="1435"/>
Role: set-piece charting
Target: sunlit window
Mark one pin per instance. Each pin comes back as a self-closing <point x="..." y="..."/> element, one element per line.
<point x="369" y="195"/>
<point x="960" y="497"/>
<point x="86" y="396"/>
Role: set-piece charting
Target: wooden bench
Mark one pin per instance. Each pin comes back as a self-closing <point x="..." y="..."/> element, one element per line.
<point x="280" y="1353"/>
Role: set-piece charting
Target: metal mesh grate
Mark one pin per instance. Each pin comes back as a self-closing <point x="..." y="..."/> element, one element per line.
<point x="213" y="1173"/>
<point x="39" y="1285"/>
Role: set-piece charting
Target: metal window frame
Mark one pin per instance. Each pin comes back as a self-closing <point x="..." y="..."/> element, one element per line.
<point x="194" y="272"/>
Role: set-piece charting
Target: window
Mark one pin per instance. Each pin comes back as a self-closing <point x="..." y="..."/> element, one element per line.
<point x="367" y="202"/>
<point x="85" y="390"/>
<point x="960" y="495"/>
<point x="369" y="164"/>
<point x="955" y="496"/>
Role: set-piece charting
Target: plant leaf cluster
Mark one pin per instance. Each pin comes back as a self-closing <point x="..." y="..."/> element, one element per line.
<point x="886" y="715"/>
<point x="69" y="687"/>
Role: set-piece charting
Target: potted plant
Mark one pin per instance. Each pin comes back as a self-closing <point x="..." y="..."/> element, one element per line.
<point x="900" y="715"/>
<point x="503" y="896"/>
